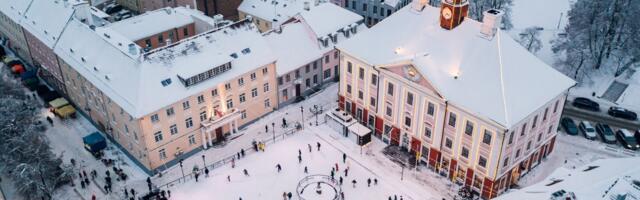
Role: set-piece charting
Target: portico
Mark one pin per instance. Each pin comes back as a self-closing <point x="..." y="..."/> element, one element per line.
<point x="211" y="129"/>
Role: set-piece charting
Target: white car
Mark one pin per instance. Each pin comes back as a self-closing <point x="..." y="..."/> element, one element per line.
<point x="587" y="129"/>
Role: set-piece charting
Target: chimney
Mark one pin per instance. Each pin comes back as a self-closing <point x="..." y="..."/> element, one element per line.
<point x="490" y="22"/>
<point x="132" y="49"/>
<point x="306" y="6"/>
<point x="418" y="5"/>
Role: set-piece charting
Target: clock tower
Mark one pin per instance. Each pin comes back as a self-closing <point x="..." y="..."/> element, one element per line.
<point x="452" y="12"/>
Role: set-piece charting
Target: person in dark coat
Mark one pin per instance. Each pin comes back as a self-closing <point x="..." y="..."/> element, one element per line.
<point x="318" y="144"/>
<point x="344" y="158"/>
<point x="289" y="195"/>
<point x="206" y="172"/>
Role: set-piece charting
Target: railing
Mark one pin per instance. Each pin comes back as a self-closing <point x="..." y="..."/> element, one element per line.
<point x="317" y="179"/>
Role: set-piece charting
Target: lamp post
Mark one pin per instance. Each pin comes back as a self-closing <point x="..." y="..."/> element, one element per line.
<point x="182" y="169"/>
<point x="204" y="163"/>
<point x="273" y="128"/>
<point x="302" y="111"/>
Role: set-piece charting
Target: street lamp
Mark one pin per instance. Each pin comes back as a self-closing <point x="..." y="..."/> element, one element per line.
<point x="302" y="111"/>
<point x="181" y="168"/>
<point x="273" y="128"/>
<point x="204" y="163"/>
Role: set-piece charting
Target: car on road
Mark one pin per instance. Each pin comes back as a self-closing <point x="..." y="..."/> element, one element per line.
<point x="587" y="104"/>
<point x="606" y="133"/>
<point x="569" y="126"/>
<point x="588" y="130"/>
<point x="623" y="113"/>
<point x="626" y="138"/>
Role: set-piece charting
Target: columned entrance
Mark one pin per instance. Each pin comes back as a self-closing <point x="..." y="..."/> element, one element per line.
<point x="211" y="130"/>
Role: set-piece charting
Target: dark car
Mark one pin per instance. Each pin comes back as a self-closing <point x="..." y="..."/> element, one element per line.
<point x="113" y="9"/>
<point x="606" y="133"/>
<point x="587" y="104"/>
<point x="569" y="126"/>
<point x="626" y="138"/>
<point x="622" y="113"/>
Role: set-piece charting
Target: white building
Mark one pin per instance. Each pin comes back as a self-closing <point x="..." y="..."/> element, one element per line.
<point x="268" y="14"/>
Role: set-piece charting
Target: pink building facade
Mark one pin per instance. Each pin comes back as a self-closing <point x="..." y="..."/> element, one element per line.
<point x="46" y="61"/>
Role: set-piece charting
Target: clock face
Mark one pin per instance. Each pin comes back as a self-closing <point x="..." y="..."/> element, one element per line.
<point x="446" y="13"/>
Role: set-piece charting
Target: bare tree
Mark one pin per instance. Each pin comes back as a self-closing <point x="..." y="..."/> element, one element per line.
<point x="530" y="39"/>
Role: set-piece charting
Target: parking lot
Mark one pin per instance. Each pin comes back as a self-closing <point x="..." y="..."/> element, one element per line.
<point x="578" y="115"/>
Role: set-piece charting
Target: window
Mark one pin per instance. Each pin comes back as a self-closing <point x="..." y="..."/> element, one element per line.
<point x="243" y="114"/>
<point x="230" y="103"/>
<point x="407" y="121"/>
<point x="452" y="119"/>
<point x="487" y="137"/>
<point x="511" y="137"/>
<point x="241" y="81"/>
<point x="188" y="122"/>
<point x="173" y="129"/>
<point x="349" y="67"/>
<point x="388" y="12"/>
<point x="390" y="89"/>
<point x="448" y="143"/>
<point x="427" y="130"/>
<point x="524" y="128"/>
<point x="307" y="69"/>
<point x="287" y="78"/>
<point x="315" y="65"/>
<point x="364" y="7"/>
<point x="539" y="136"/>
<point x="389" y="112"/>
<point x="544" y="117"/>
<point x="279" y="80"/>
<point x="550" y="129"/>
<point x="410" y="98"/>
<point x="253" y="76"/>
<point x="372" y="101"/>
<point x="158" y="136"/>
<point x="360" y="95"/>
<point x="315" y="79"/>
<point x="535" y="121"/>
<point x="160" y="39"/>
<point x="265" y="71"/>
<point x="227" y="86"/>
<point x="374" y="79"/>
<point x="203" y="115"/>
<point x="335" y="53"/>
<point x="147" y="42"/>
<point x="555" y="107"/>
<point x="308" y="82"/>
<point x="265" y="87"/>
<point x="518" y="153"/>
<point x="505" y="162"/>
<point x="327" y="73"/>
<point x="381" y="11"/>
<point x="254" y="92"/>
<point x="185" y="31"/>
<point x="326" y="59"/>
<point x="242" y="98"/>
<point x="482" y="162"/>
<point x="200" y="99"/>
<point x="465" y="152"/>
<point x="469" y="128"/>
<point x="431" y="108"/>
<point x="353" y="5"/>
<point x="214" y="92"/>
<point x="162" y="154"/>
<point x="192" y="140"/>
<point x="528" y="145"/>
<point x="154" y="118"/>
<point x="375" y="9"/>
<point x="348" y="88"/>
<point x="185" y="105"/>
<point x="267" y="103"/>
<point x="126" y="128"/>
<point x="361" y="73"/>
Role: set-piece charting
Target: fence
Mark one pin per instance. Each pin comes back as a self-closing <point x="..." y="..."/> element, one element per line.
<point x="228" y="159"/>
<point x="307" y="181"/>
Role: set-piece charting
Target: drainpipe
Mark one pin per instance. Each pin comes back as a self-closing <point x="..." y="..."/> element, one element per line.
<point x="504" y="135"/>
<point x="444" y="124"/>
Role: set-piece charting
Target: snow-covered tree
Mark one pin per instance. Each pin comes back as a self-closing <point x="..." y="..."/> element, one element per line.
<point x="601" y="34"/>
<point x="530" y="39"/>
<point x="24" y="151"/>
<point x="477" y="8"/>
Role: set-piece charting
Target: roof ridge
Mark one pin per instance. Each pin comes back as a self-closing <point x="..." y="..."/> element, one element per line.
<point x="502" y="90"/>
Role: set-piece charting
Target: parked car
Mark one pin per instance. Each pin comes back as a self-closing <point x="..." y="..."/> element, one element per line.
<point x="588" y="130"/>
<point x="626" y="138"/>
<point x="623" y="113"/>
<point x="606" y="133"/>
<point x="587" y="104"/>
<point x="113" y="9"/>
<point x="569" y="126"/>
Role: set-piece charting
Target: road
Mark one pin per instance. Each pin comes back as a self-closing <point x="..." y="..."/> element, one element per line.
<point x="600" y="117"/>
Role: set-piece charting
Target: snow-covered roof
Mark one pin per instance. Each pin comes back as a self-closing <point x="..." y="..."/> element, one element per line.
<point x="359" y="129"/>
<point x="151" y="23"/>
<point x="47" y="19"/>
<point x="14" y="9"/>
<point x="134" y="81"/>
<point x="600" y="179"/>
<point x="276" y="11"/>
<point x="297" y="42"/>
<point x="392" y="3"/>
<point x="494" y="78"/>
<point x="322" y="25"/>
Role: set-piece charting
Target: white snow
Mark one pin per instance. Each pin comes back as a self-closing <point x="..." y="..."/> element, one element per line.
<point x="15" y="9"/>
<point x="151" y="23"/>
<point x="294" y="47"/>
<point x="496" y="78"/>
<point x="340" y="17"/>
<point x="275" y="11"/>
<point x="47" y="19"/>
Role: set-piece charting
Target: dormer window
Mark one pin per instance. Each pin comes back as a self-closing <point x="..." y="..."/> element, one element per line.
<point x="197" y="78"/>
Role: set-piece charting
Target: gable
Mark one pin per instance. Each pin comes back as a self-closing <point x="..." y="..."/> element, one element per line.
<point x="409" y="73"/>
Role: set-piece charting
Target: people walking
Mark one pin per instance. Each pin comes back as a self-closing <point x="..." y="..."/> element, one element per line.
<point x="318" y="144"/>
<point x="278" y="167"/>
<point x="346" y="172"/>
<point x="354" y="183"/>
<point x="369" y="182"/>
<point x="375" y="181"/>
<point x="242" y="152"/>
<point x="246" y="173"/>
<point x="228" y="178"/>
<point x="337" y="169"/>
<point x="299" y="159"/>
<point x="206" y="172"/>
<point x="344" y="157"/>
<point x="309" y="145"/>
